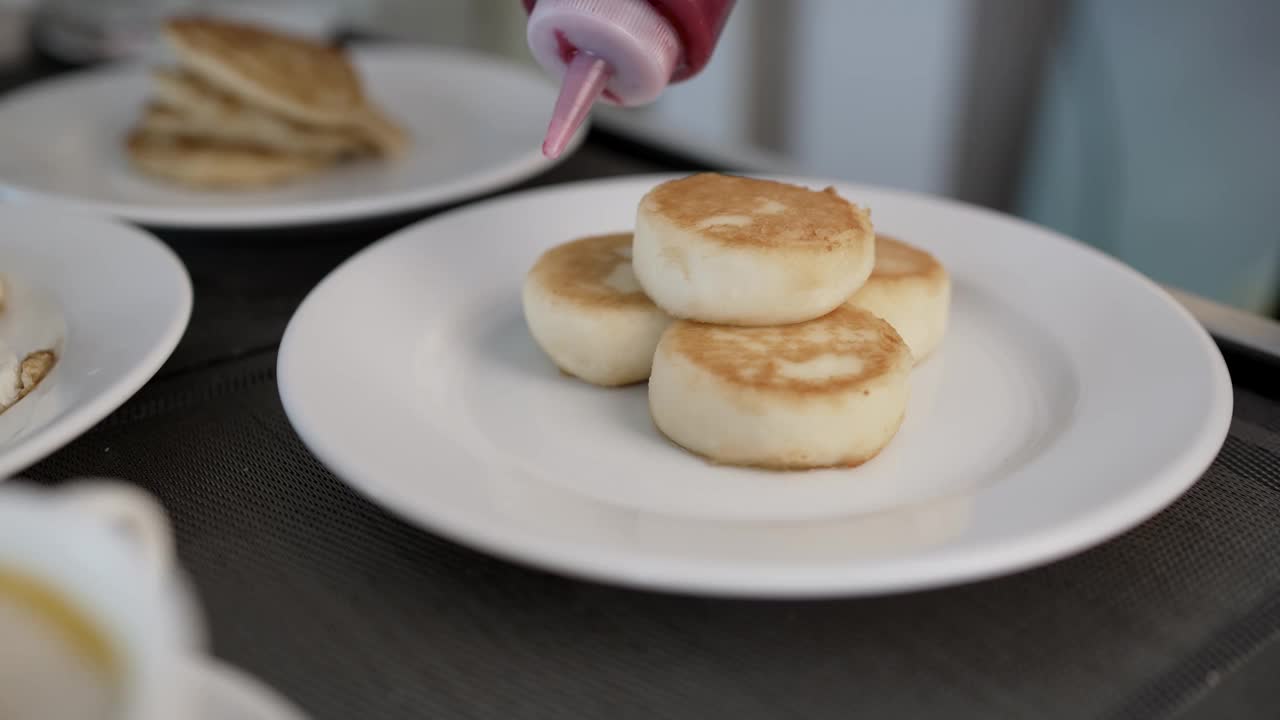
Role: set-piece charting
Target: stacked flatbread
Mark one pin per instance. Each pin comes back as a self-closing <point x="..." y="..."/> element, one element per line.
<point x="247" y="107"/>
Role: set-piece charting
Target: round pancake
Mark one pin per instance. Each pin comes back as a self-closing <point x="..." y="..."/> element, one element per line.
<point x="292" y="76"/>
<point x="295" y="76"/>
<point x="911" y="290"/>
<point x="740" y="251"/>
<point x="586" y="311"/>
<point x="207" y="165"/>
<point x="827" y="392"/>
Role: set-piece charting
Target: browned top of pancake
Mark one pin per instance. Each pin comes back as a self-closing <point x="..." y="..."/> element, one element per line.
<point x="859" y="345"/>
<point x="897" y="259"/>
<point x="746" y="211"/>
<point x="305" y="72"/>
<point x="580" y="270"/>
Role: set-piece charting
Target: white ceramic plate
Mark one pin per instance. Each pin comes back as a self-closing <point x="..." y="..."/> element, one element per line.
<point x="477" y="125"/>
<point x="222" y="692"/>
<point x="1071" y="399"/>
<point x="111" y="301"/>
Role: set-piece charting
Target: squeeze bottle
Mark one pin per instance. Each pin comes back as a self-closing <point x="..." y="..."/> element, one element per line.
<point x="625" y="51"/>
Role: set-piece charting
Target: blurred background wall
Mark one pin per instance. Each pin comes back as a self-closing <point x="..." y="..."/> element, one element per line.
<point x="859" y="89"/>
<point x="1144" y="127"/>
<point x="1156" y="140"/>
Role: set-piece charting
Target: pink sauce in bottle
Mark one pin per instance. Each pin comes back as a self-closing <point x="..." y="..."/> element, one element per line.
<point x="626" y="51"/>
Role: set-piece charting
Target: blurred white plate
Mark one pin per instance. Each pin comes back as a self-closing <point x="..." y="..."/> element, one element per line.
<point x="222" y="692"/>
<point x="111" y="301"/>
<point x="1071" y="399"/>
<point x="477" y="125"/>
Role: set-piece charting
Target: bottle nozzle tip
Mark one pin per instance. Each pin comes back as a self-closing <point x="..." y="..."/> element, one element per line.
<point x="553" y="146"/>
<point x="584" y="80"/>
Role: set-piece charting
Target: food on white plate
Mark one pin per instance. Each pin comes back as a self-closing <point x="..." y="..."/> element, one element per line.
<point x="910" y="289"/>
<point x="776" y="328"/>
<point x="248" y="107"/>
<point x="741" y="251"/>
<point x="827" y="392"/>
<point x="586" y="311"/>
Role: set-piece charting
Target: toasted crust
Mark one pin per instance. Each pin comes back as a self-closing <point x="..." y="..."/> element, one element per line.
<point x="759" y="213"/>
<point x="834" y="353"/>
<point x="911" y="290"/>
<point x="592" y="271"/>
<point x="204" y="164"/>
<point x="896" y="260"/>
<point x="295" y="77"/>
<point x="740" y="251"/>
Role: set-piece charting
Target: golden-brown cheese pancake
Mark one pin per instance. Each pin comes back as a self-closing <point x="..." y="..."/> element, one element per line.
<point x="586" y="311"/>
<point x="298" y="78"/>
<point x="909" y="288"/>
<point x="827" y="392"/>
<point x="202" y="164"/>
<point x="740" y="251"/>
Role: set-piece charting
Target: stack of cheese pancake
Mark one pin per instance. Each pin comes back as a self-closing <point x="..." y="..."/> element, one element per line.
<point x="247" y="107"/>
<point x="775" y="328"/>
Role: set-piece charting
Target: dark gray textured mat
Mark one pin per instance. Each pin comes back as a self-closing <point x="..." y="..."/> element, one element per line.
<point x="355" y="614"/>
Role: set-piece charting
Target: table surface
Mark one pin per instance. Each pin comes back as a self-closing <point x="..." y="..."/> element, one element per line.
<point x="353" y="613"/>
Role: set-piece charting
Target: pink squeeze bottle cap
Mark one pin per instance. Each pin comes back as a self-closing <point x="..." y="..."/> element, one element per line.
<point x="623" y="50"/>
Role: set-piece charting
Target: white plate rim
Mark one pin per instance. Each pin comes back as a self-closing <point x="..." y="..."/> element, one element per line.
<point x="301" y="214"/>
<point x="48" y="439"/>
<point x="1082" y="532"/>
<point x="237" y="687"/>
